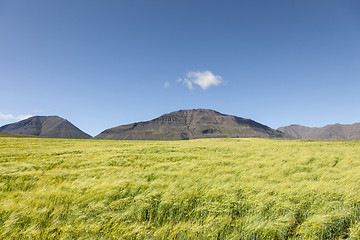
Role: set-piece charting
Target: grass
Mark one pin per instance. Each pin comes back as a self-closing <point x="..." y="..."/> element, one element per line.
<point x="198" y="189"/>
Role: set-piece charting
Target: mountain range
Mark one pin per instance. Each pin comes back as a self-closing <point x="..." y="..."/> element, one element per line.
<point x="179" y="125"/>
<point x="335" y="131"/>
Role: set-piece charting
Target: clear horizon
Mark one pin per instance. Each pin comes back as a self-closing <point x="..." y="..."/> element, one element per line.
<point x="104" y="64"/>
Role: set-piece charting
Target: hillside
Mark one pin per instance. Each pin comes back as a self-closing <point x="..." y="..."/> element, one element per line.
<point x="14" y="135"/>
<point x="191" y="124"/>
<point x="47" y="126"/>
<point x="335" y="131"/>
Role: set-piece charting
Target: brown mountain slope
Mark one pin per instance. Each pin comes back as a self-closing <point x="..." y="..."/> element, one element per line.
<point x="191" y="124"/>
<point x="335" y="131"/>
<point x="52" y="126"/>
<point x="14" y="135"/>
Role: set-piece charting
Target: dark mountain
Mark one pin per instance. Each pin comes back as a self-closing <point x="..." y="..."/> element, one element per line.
<point x="191" y="124"/>
<point x="335" y="131"/>
<point x="52" y="126"/>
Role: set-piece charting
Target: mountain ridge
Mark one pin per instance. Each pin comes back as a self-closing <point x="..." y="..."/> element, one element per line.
<point x="331" y="131"/>
<point x="181" y="125"/>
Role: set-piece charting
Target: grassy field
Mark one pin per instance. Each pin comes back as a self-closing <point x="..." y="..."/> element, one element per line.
<point x="198" y="189"/>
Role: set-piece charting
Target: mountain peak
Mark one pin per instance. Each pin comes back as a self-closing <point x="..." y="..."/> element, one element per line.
<point x="49" y="126"/>
<point x="191" y="124"/>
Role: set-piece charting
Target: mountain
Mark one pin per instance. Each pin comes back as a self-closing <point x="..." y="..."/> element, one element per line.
<point x="335" y="131"/>
<point x="191" y="124"/>
<point x="48" y="126"/>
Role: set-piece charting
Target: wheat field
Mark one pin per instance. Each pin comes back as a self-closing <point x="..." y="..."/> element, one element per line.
<point x="198" y="189"/>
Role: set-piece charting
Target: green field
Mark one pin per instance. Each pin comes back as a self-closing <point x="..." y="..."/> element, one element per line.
<point x="198" y="189"/>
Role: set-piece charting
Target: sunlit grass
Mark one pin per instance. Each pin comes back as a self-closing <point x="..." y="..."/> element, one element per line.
<point x="199" y="189"/>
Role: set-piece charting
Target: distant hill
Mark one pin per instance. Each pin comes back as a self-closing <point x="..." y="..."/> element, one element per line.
<point x="191" y="124"/>
<point x="48" y="126"/>
<point x="335" y="131"/>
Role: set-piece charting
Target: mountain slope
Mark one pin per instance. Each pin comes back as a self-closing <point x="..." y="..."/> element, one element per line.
<point x="15" y="135"/>
<point x="49" y="126"/>
<point x="191" y="124"/>
<point x="335" y="131"/>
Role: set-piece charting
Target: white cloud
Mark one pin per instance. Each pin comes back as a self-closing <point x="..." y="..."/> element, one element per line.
<point x="167" y="84"/>
<point x="12" y="117"/>
<point x="188" y="83"/>
<point x="203" y="79"/>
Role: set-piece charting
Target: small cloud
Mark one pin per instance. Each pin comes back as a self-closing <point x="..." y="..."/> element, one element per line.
<point x="167" y="84"/>
<point x="12" y="117"/>
<point x="188" y="83"/>
<point x="185" y="81"/>
<point x="204" y="79"/>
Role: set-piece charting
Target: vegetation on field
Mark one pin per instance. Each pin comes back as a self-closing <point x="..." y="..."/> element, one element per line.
<point x="198" y="189"/>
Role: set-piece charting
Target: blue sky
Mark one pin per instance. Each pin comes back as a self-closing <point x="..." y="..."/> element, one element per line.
<point x="101" y="64"/>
